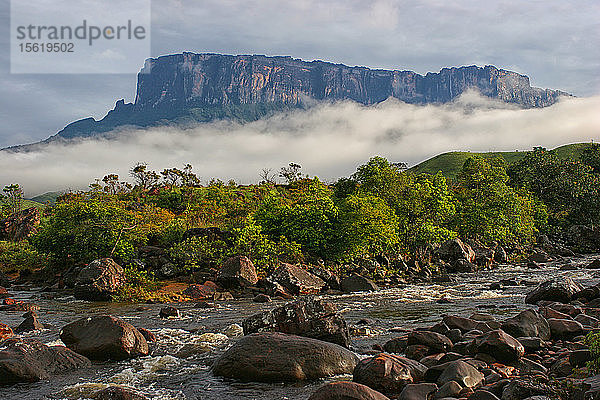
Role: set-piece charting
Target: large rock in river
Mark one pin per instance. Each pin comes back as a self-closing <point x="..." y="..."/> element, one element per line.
<point x="528" y="323"/>
<point x="358" y="283"/>
<point x="499" y="345"/>
<point x="28" y="360"/>
<point x="297" y="280"/>
<point x="104" y="338"/>
<point x="558" y="289"/>
<point x="277" y="357"/>
<point x="314" y="318"/>
<point x="346" y="391"/>
<point x="454" y="249"/>
<point x="99" y="280"/>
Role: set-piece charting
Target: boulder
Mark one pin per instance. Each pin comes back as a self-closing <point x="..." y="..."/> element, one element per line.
<point x="465" y="324"/>
<point x="448" y="389"/>
<point x="482" y="394"/>
<point x="20" y="225"/>
<point x="388" y="373"/>
<point x="346" y="391"/>
<point x="595" y="264"/>
<point x="149" y="336"/>
<point x="500" y="345"/>
<point x="462" y="265"/>
<point x="418" y="391"/>
<point x="99" y="280"/>
<point x="331" y="279"/>
<point x="528" y="323"/>
<point x="117" y="393"/>
<point x="358" y="283"/>
<point x="519" y="389"/>
<point x="565" y="328"/>
<point x="557" y="289"/>
<point x="237" y="272"/>
<point x="169" y="312"/>
<point x="539" y="256"/>
<point x="455" y="249"/>
<point x="104" y="338"/>
<point x="28" y="360"/>
<point x="314" y="318"/>
<point x="432" y="340"/>
<point x="296" y="280"/>
<point x="396" y="345"/>
<point x="462" y="373"/>
<point x="30" y="323"/>
<point x="278" y="357"/>
<point x="262" y="298"/>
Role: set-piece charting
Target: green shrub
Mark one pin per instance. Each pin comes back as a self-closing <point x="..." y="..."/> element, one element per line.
<point x="16" y="256"/>
<point x="592" y="340"/>
<point x="139" y="286"/>
<point x="198" y="253"/>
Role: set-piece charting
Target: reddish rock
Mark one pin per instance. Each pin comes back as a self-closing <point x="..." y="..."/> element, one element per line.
<point x="199" y="292"/>
<point x="565" y="328"/>
<point x="149" y="336"/>
<point x="117" y="393"/>
<point x="237" y="271"/>
<point x="388" y="373"/>
<point x="432" y="340"/>
<point x="499" y="345"/>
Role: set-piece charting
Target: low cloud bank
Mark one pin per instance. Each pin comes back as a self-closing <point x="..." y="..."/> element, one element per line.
<point x="329" y="140"/>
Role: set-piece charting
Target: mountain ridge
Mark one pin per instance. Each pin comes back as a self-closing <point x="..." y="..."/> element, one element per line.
<point x="201" y="87"/>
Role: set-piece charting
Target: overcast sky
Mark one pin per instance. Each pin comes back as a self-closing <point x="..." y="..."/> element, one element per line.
<point x="554" y="42"/>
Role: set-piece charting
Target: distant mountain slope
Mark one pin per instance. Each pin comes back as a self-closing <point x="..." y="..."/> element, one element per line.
<point x="188" y="87"/>
<point x="450" y="164"/>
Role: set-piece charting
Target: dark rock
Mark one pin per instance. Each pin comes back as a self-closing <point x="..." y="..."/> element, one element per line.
<point x="432" y="340"/>
<point x="464" y="324"/>
<point x="99" y="280"/>
<point x="527" y="366"/>
<point x="594" y="264"/>
<point x="558" y="289"/>
<point x="396" y="345"/>
<point x="500" y="255"/>
<point x="346" y="391"/>
<point x="454" y="249"/>
<point x="20" y="225"/>
<point x="104" y="338"/>
<point x="296" y="280"/>
<point x="481" y="394"/>
<point x="519" y="389"/>
<point x="261" y="298"/>
<point x="117" y="393"/>
<point x="28" y="360"/>
<point x="531" y="344"/>
<point x="564" y="328"/>
<point x="331" y="279"/>
<point x="169" y="312"/>
<point x="4" y="281"/>
<point x="388" y="373"/>
<point x="527" y="323"/>
<point x="237" y="272"/>
<point x="358" y="283"/>
<point x="586" y="320"/>
<point x="418" y="391"/>
<point x="277" y="357"/>
<point x="314" y="318"/>
<point x="463" y="266"/>
<point x="30" y="323"/>
<point x="448" y="389"/>
<point x="499" y="345"/>
<point x="578" y="358"/>
<point x="539" y="256"/>
<point x="561" y="368"/>
<point x="417" y="351"/>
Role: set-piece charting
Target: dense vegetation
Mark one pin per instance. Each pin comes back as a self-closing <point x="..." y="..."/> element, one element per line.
<point x="380" y="210"/>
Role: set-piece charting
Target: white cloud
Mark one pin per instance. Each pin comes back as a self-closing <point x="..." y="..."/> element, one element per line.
<point x="329" y="140"/>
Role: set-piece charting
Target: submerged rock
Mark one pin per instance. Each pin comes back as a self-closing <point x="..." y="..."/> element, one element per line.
<point x="28" y="360"/>
<point x="117" y="393"/>
<point x="104" y="338"/>
<point x="278" y="357"/>
<point x="314" y="318"/>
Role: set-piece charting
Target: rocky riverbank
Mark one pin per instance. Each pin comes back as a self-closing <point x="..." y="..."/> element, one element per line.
<point x="468" y="338"/>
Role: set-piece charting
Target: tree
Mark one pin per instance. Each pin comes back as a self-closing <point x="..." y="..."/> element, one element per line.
<point x="142" y="177"/>
<point x="13" y="195"/>
<point x="267" y="176"/>
<point x="291" y="173"/>
<point x="172" y="176"/>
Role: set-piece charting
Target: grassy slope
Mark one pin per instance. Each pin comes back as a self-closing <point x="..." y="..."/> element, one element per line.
<point x="30" y="203"/>
<point x="49" y="197"/>
<point x="451" y="163"/>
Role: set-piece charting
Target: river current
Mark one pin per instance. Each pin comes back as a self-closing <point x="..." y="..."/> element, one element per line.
<point x="206" y="333"/>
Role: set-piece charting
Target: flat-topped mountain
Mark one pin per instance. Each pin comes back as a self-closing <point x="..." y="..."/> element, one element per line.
<point x="188" y="87"/>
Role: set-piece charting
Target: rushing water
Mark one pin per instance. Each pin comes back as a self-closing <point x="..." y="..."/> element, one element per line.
<point x="163" y="375"/>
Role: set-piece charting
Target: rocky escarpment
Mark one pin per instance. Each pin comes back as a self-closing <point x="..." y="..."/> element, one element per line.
<point x="192" y="87"/>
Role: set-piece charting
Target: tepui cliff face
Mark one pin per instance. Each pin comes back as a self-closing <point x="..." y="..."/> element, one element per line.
<point x="202" y="87"/>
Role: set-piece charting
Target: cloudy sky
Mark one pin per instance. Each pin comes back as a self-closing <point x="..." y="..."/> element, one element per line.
<point x="554" y="42"/>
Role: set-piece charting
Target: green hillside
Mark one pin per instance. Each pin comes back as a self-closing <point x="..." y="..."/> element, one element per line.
<point x="30" y="203"/>
<point x="450" y="163"/>
<point x="49" y="197"/>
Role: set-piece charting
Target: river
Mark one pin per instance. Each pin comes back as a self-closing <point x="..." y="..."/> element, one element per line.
<point x="164" y="376"/>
